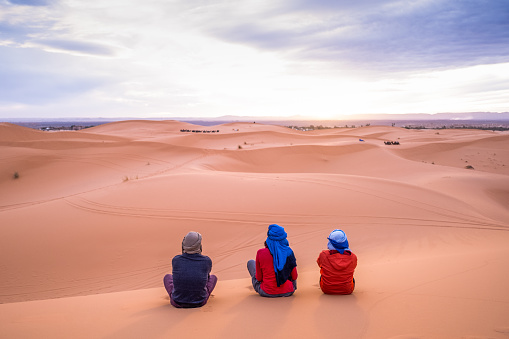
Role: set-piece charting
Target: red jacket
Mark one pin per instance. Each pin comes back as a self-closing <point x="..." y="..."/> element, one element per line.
<point x="336" y="271"/>
<point x="266" y="275"/>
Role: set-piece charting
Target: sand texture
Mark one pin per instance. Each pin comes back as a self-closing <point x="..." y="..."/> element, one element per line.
<point x="90" y="225"/>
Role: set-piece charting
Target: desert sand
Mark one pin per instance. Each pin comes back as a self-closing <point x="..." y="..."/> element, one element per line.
<point x="90" y="225"/>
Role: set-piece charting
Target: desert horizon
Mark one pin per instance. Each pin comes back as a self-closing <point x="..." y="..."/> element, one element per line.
<point x="91" y="219"/>
<point x="476" y="120"/>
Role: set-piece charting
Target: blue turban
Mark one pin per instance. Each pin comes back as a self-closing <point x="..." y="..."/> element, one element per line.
<point x="281" y="252"/>
<point x="338" y="241"/>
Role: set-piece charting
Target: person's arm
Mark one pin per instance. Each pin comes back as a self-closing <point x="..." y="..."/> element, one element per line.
<point x="259" y="273"/>
<point x="209" y="266"/>
<point x="319" y="260"/>
<point x="173" y="264"/>
<point x="294" y="273"/>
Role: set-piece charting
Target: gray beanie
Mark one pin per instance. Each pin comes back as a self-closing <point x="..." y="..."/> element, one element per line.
<point x="191" y="243"/>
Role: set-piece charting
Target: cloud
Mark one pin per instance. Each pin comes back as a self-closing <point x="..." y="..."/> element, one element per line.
<point x="9" y="32"/>
<point x="378" y="35"/>
<point x="25" y="81"/>
<point x="33" y="88"/>
<point x="79" y="47"/>
<point x="19" y="24"/>
<point x="31" y="2"/>
<point x="31" y="27"/>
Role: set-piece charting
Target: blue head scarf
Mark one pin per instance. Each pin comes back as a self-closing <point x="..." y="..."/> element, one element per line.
<point x="278" y="246"/>
<point x="338" y="241"/>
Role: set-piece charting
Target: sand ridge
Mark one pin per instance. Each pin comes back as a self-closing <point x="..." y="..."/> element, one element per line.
<point x="91" y="224"/>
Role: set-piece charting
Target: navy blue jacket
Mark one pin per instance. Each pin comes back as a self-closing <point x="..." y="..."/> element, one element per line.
<point x="190" y="275"/>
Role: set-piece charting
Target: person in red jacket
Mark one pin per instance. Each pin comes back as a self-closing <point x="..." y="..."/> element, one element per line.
<point x="337" y="265"/>
<point x="274" y="273"/>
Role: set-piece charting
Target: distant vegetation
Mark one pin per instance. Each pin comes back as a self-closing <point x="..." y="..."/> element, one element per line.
<point x="313" y="127"/>
<point x="65" y="128"/>
<point x="199" y="131"/>
<point x="126" y="178"/>
<point x="481" y="127"/>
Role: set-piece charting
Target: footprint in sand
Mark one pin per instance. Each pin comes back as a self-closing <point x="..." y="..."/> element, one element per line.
<point x="504" y="330"/>
<point x="207" y="308"/>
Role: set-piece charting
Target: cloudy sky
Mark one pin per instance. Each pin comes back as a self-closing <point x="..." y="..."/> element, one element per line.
<point x="200" y="58"/>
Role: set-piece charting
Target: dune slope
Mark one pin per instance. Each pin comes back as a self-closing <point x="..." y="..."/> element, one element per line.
<point x="90" y="224"/>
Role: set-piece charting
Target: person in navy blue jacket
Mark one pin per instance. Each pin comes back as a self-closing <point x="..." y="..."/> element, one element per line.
<point x="190" y="283"/>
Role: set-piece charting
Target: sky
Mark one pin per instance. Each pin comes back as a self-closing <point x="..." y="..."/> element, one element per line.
<point x="199" y="58"/>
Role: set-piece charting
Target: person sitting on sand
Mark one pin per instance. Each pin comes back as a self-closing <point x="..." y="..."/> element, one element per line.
<point x="274" y="273"/>
<point x="337" y="265"/>
<point x="191" y="283"/>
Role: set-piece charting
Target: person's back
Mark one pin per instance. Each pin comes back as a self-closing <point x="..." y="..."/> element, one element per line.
<point x="267" y="276"/>
<point x="190" y="283"/>
<point x="337" y="271"/>
<point x="274" y="273"/>
<point x="337" y="265"/>
<point x="190" y="276"/>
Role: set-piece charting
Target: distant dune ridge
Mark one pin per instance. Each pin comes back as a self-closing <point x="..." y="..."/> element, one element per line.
<point x="90" y="220"/>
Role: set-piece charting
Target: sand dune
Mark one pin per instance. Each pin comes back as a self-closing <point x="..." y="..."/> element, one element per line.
<point x="89" y="228"/>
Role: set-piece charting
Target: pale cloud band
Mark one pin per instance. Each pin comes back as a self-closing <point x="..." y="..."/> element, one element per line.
<point x="30" y="2"/>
